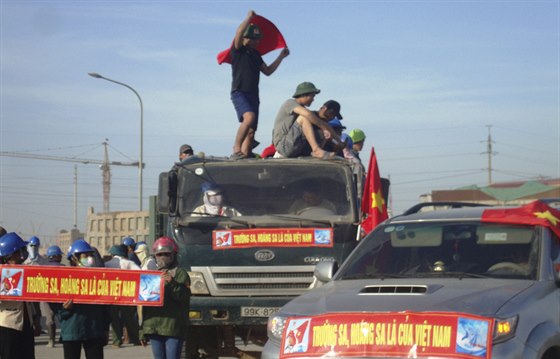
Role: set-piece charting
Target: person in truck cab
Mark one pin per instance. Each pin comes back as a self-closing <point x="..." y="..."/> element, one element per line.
<point x="311" y="199"/>
<point x="213" y="202"/>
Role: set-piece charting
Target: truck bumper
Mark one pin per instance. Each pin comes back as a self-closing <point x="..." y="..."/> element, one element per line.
<point x="227" y="310"/>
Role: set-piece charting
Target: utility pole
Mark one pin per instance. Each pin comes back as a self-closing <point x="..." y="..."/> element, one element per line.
<point x="75" y="196"/>
<point x="489" y="153"/>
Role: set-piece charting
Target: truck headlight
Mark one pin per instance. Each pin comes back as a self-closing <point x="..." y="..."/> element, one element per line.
<point x="504" y="329"/>
<point x="198" y="284"/>
<point x="275" y="326"/>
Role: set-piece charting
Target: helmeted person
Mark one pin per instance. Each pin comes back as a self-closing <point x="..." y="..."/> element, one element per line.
<point x="54" y="258"/>
<point x="358" y="137"/>
<point x="82" y="325"/>
<point x="19" y="321"/>
<point x="34" y="258"/>
<point x="166" y="326"/>
<point x="148" y="262"/>
<point x="213" y="202"/>
<point x="130" y="245"/>
<point x="122" y="315"/>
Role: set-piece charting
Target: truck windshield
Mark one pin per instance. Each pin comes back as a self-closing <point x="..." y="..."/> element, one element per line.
<point x="270" y="188"/>
<point x="444" y="249"/>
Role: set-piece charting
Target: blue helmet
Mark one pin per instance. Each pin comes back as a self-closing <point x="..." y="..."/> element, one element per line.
<point x="11" y="243"/>
<point x="79" y="246"/>
<point x="128" y="241"/>
<point x="34" y="241"/>
<point x="210" y="186"/>
<point x="54" y="251"/>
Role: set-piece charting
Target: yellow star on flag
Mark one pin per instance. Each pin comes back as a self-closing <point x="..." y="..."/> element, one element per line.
<point x="377" y="201"/>
<point x="548" y="216"/>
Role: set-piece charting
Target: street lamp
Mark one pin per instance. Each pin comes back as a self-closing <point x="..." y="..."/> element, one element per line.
<point x="140" y="162"/>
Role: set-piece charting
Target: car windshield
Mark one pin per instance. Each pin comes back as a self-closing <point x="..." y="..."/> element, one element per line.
<point x="446" y="249"/>
<point x="319" y="191"/>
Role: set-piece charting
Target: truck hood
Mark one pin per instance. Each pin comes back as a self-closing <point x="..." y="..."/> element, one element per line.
<point x="482" y="297"/>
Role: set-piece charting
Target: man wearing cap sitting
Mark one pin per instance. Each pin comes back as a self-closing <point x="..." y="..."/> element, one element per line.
<point x="294" y="130"/>
<point x="246" y="65"/>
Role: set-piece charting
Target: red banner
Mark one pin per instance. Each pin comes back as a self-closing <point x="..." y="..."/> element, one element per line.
<point x="272" y="39"/>
<point x="409" y="335"/>
<point x="284" y="237"/>
<point x="83" y="285"/>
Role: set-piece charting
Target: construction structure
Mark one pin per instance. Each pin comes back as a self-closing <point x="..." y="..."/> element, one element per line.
<point x="104" y="165"/>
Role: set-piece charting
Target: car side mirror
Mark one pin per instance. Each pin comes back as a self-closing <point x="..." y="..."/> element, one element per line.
<point x="324" y="271"/>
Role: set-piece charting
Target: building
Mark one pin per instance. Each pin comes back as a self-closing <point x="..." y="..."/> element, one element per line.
<point x="66" y="238"/>
<point x="109" y="228"/>
<point x="505" y="193"/>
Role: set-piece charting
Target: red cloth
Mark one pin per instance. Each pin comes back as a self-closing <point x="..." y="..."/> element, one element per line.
<point x="272" y="39"/>
<point x="373" y="203"/>
<point x="269" y="151"/>
<point x="535" y="213"/>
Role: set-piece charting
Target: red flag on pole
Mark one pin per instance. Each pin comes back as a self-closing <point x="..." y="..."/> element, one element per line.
<point x="535" y="213"/>
<point x="373" y="203"/>
<point x="272" y="39"/>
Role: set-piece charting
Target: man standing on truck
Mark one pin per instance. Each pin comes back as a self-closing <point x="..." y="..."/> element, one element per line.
<point x="293" y="128"/>
<point x="246" y="66"/>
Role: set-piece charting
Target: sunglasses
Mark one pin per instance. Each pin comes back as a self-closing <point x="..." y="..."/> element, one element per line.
<point x="163" y="255"/>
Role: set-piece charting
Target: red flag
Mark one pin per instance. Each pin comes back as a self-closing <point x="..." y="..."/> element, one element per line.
<point x="536" y="213"/>
<point x="272" y="39"/>
<point x="373" y="203"/>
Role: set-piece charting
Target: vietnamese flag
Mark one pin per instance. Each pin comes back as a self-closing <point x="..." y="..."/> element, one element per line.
<point x="272" y="39"/>
<point x="373" y="203"/>
<point x="535" y="213"/>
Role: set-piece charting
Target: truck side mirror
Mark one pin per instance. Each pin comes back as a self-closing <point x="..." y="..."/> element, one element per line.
<point x="163" y="195"/>
<point x="324" y="271"/>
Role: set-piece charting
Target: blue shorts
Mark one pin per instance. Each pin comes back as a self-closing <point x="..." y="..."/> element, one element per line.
<point x="246" y="102"/>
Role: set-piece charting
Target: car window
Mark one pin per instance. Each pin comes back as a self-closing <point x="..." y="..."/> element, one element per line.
<point x="494" y="250"/>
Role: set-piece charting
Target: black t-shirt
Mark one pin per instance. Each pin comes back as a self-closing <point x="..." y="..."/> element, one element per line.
<point x="245" y="68"/>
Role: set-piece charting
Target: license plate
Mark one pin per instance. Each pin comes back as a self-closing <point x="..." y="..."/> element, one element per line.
<point x="258" y="311"/>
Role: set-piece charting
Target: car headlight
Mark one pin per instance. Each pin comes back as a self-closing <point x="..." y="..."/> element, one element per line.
<point x="504" y="329"/>
<point x="275" y="326"/>
<point x="198" y="284"/>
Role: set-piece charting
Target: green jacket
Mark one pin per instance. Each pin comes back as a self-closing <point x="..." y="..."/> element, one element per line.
<point x="172" y="318"/>
<point x="82" y="322"/>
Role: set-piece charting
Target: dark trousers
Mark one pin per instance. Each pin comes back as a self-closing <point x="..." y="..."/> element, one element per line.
<point x="92" y="347"/>
<point x="15" y="344"/>
<point x="124" y="315"/>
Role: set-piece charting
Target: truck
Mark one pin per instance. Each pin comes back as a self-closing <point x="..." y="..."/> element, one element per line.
<point x="243" y="268"/>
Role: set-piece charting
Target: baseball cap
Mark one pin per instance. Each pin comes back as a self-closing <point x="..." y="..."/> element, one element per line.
<point x="335" y="123"/>
<point x="186" y="149"/>
<point x="357" y="135"/>
<point x="253" y="32"/>
<point x="334" y="106"/>
<point x="305" y="88"/>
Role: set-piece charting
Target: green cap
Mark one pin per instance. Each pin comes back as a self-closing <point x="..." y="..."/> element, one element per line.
<point x="357" y="135"/>
<point x="305" y="88"/>
<point x="253" y="32"/>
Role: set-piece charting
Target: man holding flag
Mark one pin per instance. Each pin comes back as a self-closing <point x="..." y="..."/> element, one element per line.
<point x="374" y="206"/>
<point x="246" y="60"/>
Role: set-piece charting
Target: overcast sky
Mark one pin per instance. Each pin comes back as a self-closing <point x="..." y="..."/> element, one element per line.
<point x="423" y="79"/>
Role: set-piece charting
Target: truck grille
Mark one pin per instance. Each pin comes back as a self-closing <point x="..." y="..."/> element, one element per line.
<point x="257" y="281"/>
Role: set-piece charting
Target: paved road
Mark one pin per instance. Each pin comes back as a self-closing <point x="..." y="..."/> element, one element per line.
<point x="124" y="352"/>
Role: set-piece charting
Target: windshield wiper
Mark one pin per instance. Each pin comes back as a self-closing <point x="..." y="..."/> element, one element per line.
<point x="459" y="275"/>
<point x="303" y="219"/>
<point x="235" y="219"/>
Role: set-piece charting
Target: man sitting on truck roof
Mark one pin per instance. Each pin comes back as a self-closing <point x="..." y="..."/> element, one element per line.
<point x="213" y="202"/>
<point x="293" y="127"/>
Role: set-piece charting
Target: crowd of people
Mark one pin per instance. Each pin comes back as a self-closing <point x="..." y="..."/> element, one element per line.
<point x="85" y="327"/>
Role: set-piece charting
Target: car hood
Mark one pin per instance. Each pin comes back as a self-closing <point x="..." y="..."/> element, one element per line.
<point x="482" y="297"/>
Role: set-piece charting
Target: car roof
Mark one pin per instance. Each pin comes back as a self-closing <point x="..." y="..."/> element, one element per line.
<point x="452" y="211"/>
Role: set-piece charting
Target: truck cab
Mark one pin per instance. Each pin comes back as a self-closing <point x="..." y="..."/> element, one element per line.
<point x="290" y="215"/>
